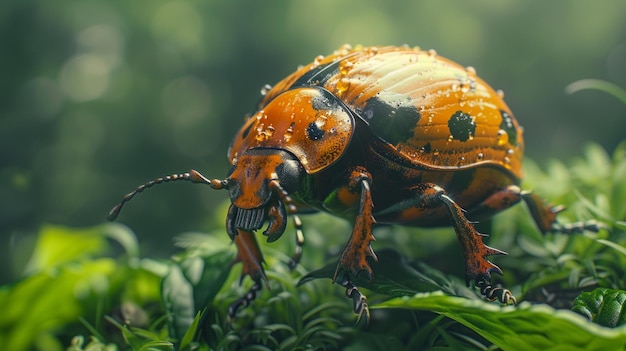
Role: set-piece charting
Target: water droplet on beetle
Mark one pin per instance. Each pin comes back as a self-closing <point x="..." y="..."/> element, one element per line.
<point x="470" y="70"/>
<point x="345" y="67"/>
<point x="318" y="59"/>
<point x="265" y="89"/>
<point x="344" y="49"/>
<point x="342" y="85"/>
<point x="321" y="120"/>
<point x="372" y="50"/>
<point x="500" y="93"/>
<point x="259" y="133"/>
<point x="480" y="156"/>
<point x="502" y="137"/>
<point x="288" y="135"/>
<point x="432" y="53"/>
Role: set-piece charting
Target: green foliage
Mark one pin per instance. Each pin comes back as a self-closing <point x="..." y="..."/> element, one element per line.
<point x="523" y="327"/>
<point x="603" y="306"/>
<point x="71" y="276"/>
<point x="88" y="289"/>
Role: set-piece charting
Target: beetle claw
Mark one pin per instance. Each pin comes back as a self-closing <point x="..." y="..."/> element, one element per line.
<point x="492" y="293"/>
<point x="359" y="300"/>
<point x="243" y="301"/>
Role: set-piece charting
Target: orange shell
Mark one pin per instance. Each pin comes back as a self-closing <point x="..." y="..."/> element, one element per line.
<point x="431" y="111"/>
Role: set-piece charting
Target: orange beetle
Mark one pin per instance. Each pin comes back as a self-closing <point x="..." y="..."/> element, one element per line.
<point x="375" y="135"/>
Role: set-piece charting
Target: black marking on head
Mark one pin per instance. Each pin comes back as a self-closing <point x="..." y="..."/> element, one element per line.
<point x="314" y="132"/>
<point x="246" y="131"/>
<point x="393" y="120"/>
<point x="461" y="126"/>
<point x="508" y="126"/>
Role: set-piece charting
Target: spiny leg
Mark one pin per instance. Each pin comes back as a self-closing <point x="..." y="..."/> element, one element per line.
<point x="477" y="267"/>
<point x="354" y="256"/>
<point x="544" y="215"/>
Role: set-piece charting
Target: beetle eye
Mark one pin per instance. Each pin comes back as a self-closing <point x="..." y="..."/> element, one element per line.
<point x="289" y="173"/>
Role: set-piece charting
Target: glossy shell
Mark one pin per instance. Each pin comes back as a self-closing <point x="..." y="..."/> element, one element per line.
<point x="308" y="122"/>
<point x="431" y="111"/>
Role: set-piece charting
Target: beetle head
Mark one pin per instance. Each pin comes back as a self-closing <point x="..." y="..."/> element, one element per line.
<point x="259" y="185"/>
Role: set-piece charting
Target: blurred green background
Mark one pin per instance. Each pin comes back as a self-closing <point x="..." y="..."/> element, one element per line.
<point x="100" y="96"/>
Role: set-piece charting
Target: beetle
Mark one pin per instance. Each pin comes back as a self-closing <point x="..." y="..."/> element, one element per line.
<point x="375" y="135"/>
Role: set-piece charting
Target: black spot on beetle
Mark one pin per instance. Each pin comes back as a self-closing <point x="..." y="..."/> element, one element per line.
<point x="508" y="126"/>
<point x="314" y="132"/>
<point x="427" y="148"/>
<point x="461" y="126"/>
<point x="461" y="180"/>
<point x="392" y="119"/>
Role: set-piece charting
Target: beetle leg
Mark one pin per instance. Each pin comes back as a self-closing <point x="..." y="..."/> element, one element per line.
<point x="477" y="267"/>
<point x="245" y="300"/>
<point x="249" y="254"/>
<point x="496" y="202"/>
<point x="353" y="258"/>
<point x="545" y="213"/>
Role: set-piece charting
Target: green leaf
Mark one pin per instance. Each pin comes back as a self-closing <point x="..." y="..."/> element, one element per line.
<point x="522" y="327"/>
<point x="45" y="301"/>
<point x="157" y="345"/>
<point x="190" y="334"/>
<point x="57" y="245"/>
<point x="178" y="302"/>
<point x="207" y="275"/>
<point x="191" y="285"/>
<point x="124" y="236"/>
<point x="597" y="84"/>
<point x="603" y="306"/>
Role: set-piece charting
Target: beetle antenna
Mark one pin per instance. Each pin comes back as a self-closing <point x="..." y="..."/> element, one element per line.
<point x="192" y="176"/>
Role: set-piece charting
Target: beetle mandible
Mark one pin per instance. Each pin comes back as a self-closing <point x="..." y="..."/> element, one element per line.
<point x="375" y="135"/>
